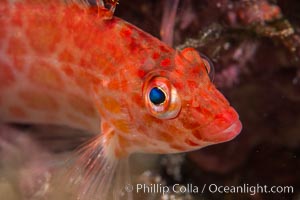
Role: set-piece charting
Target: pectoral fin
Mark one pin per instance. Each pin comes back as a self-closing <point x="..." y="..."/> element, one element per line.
<point x="97" y="174"/>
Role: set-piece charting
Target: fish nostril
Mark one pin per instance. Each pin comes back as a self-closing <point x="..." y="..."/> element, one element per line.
<point x="209" y="67"/>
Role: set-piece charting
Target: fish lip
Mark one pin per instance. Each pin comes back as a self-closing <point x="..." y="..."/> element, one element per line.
<point x="224" y="135"/>
<point x="233" y="130"/>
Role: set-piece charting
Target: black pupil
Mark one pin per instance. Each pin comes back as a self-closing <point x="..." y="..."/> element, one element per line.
<point x="157" y="96"/>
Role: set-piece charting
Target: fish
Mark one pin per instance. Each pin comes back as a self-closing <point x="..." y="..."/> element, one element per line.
<point x="75" y="64"/>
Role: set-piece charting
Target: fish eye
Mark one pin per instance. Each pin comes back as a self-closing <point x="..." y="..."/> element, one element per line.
<point x="209" y="67"/>
<point x="161" y="98"/>
<point x="157" y="96"/>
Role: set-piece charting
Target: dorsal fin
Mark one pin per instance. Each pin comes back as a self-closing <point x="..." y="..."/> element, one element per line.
<point x="101" y="4"/>
<point x="86" y="3"/>
<point x="105" y="8"/>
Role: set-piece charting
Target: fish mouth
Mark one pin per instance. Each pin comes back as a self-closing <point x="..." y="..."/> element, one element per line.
<point x="231" y="132"/>
<point x="220" y="136"/>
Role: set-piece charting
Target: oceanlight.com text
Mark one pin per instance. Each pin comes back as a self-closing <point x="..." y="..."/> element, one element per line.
<point x="250" y="189"/>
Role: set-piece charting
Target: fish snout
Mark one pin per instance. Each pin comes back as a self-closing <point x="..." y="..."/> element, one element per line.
<point x="224" y="127"/>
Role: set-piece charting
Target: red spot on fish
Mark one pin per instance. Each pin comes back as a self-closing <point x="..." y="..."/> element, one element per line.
<point x="224" y="119"/>
<point x="196" y="70"/>
<point x="163" y="136"/>
<point x="179" y="85"/>
<point x="164" y="49"/>
<point x="17" y="18"/>
<point x="188" y="122"/>
<point x="203" y="111"/>
<point x="95" y="80"/>
<point x="192" y="85"/>
<point x="198" y="135"/>
<point x="126" y="32"/>
<point x="166" y="62"/>
<point x="66" y="56"/>
<point x="141" y="73"/>
<point x="67" y="69"/>
<point x="155" y="55"/>
<point x="6" y="76"/>
<point x="85" y="63"/>
<point x="17" y="112"/>
<point x="2" y="30"/>
<point x="191" y="143"/>
<point x="133" y="46"/>
<point x="137" y="99"/>
<point x="4" y="9"/>
<point x="114" y="85"/>
<point x="150" y="119"/>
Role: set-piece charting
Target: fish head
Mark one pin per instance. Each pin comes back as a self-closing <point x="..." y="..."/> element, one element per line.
<point x="167" y="109"/>
<point x="184" y="110"/>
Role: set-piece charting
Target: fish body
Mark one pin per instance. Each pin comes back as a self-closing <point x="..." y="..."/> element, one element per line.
<point x="82" y="67"/>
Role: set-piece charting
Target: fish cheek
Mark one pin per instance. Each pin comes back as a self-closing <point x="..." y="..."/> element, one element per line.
<point x="188" y="119"/>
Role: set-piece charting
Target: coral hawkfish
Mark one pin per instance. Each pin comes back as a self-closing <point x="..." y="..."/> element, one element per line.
<point x="74" y="64"/>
